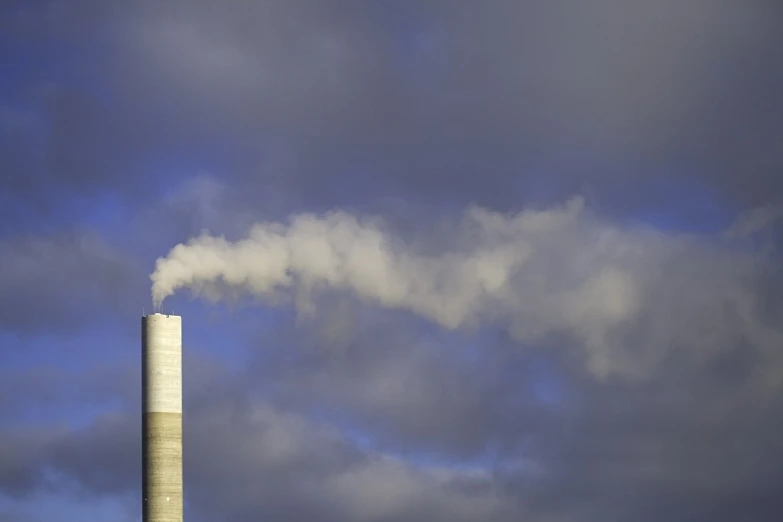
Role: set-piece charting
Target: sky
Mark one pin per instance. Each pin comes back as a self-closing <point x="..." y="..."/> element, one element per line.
<point x="436" y="260"/>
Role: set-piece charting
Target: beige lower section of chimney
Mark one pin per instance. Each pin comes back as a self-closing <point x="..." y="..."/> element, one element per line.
<point x="162" y="480"/>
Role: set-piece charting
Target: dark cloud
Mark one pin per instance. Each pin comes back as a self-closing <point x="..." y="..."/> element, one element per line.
<point x="246" y="458"/>
<point x="49" y="283"/>
<point x="685" y="445"/>
<point x="61" y="144"/>
<point x="21" y="460"/>
<point x="304" y="104"/>
<point x="690" y="445"/>
<point x="53" y="392"/>
<point x="469" y="103"/>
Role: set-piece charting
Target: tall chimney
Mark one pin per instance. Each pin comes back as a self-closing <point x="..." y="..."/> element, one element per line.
<point x="161" y="385"/>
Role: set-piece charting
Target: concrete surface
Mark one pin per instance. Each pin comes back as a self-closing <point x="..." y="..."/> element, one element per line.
<point x="162" y="418"/>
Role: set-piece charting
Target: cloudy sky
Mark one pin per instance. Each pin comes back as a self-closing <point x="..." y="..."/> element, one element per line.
<point x="436" y="260"/>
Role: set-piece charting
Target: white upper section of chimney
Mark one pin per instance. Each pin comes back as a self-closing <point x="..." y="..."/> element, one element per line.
<point x="162" y="363"/>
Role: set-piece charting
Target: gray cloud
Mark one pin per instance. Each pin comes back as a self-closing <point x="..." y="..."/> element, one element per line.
<point x="301" y="104"/>
<point x="617" y="450"/>
<point x="58" y="392"/>
<point x="449" y="103"/>
<point x="697" y="442"/>
<point x="48" y="283"/>
<point x="246" y="457"/>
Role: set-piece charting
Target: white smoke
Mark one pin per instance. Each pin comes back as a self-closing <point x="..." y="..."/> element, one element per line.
<point x="754" y="220"/>
<point x="560" y="270"/>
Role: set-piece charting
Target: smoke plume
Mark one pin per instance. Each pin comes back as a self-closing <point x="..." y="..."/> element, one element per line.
<point x="561" y="270"/>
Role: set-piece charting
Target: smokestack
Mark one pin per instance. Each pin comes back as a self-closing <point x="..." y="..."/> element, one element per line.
<point x="161" y="384"/>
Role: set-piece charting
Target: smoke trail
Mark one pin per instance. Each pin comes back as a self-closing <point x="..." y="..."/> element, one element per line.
<point x="339" y="251"/>
<point x="541" y="271"/>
